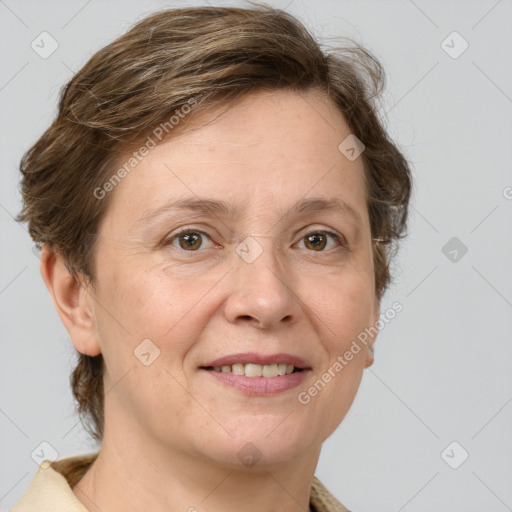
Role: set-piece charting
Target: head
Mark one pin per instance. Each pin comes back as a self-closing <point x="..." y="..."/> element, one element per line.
<point x="209" y="105"/>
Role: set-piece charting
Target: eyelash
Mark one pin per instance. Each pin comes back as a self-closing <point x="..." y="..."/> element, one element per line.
<point x="168" y="241"/>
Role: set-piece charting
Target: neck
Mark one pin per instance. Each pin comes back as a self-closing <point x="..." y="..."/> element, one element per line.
<point x="148" y="478"/>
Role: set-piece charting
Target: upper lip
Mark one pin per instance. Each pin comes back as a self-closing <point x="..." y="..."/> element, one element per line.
<point x="255" y="358"/>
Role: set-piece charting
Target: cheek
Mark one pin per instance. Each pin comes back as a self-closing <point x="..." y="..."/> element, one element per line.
<point x="344" y="307"/>
<point x="142" y="305"/>
<point x="344" y="312"/>
<point x="144" y="302"/>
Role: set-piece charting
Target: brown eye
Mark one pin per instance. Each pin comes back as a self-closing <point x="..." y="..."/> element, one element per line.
<point x="317" y="241"/>
<point x="190" y="241"/>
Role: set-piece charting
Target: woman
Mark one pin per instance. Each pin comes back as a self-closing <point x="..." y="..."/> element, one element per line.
<point x="216" y="205"/>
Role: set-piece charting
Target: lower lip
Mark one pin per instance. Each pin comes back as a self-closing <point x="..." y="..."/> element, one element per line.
<point x="260" y="385"/>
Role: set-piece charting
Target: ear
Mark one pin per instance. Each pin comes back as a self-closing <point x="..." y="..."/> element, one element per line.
<point x="371" y="340"/>
<point x="73" y="302"/>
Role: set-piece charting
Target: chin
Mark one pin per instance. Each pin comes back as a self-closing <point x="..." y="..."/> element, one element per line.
<point x="260" y="444"/>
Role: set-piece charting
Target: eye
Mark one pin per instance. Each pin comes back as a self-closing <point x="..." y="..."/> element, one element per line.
<point x="317" y="241"/>
<point x="188" y="240"/>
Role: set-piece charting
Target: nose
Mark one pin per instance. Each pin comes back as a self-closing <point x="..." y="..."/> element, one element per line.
<point x="262" y="293"/>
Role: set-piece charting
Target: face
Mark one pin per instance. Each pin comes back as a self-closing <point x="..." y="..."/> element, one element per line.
<point x="175" y="267"/>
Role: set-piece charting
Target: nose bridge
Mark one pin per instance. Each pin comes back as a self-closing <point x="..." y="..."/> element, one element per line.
<point x="263" y="291"/>
<point x="262" y="251"/>
<point x="254" y="245"/>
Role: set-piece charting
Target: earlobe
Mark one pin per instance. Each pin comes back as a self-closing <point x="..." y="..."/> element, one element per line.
<point x="369" y="356"/>
<point x="371" y="341"/>
<point x="73" y="303"/>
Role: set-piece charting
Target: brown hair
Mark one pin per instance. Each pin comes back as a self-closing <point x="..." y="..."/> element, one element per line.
<point x="169" y="60"/>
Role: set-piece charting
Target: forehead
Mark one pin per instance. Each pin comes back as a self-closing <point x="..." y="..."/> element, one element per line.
<point x="263" y="154"/>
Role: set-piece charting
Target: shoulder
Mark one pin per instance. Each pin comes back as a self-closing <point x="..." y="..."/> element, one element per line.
<point x="51" y="488"/>
<point x="321" y="500"/>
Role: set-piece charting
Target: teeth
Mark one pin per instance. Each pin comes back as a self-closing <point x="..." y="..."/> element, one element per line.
<point x="256" y="370"/>
<point x="281" y="369"/>
<point x="253" y="370"/>
<point x="269" y="370"/>
<point x="238" y="369"/>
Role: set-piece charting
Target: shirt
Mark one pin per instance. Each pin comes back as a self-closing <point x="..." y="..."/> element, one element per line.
<point x="52" y="489"/>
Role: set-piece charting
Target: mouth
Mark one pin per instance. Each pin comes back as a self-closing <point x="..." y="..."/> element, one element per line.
<point x="256" y="370"/>
<point x="254" y="374"/>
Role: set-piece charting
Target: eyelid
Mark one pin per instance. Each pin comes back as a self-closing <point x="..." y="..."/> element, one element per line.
<point x="319" y="228"/>
<point x="168" y="239"/>
<point x="340" y="238"/>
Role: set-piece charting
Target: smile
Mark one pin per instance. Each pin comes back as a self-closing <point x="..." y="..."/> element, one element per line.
<point x="259" y="374"/>
<point x="256" y="370"/>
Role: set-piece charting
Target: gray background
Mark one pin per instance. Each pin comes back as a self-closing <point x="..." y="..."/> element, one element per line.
<point x="442" y="368"/>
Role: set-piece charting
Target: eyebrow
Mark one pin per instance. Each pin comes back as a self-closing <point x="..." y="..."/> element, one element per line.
<point x="319" y="205"/>
<point x="216" y="208"/>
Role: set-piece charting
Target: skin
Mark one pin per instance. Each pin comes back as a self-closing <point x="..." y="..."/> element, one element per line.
<point x="172" y="432"/>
